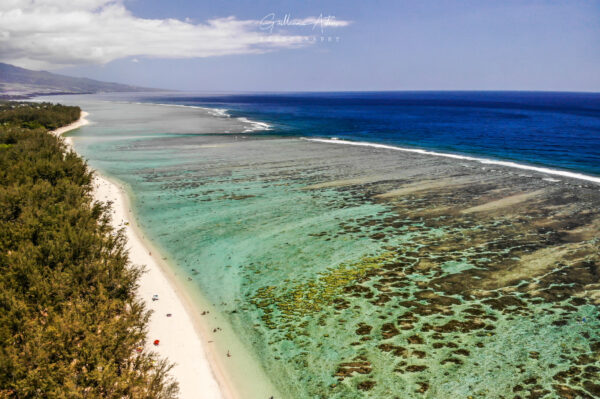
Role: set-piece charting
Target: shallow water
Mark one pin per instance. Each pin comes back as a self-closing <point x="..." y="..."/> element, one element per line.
<point x="338" y="291"/>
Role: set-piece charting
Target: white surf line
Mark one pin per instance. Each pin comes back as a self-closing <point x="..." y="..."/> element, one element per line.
<point x="218" y="112"/>
<point x="484" y="161"/>
<point x="256" y="126"/>
<point x="221" y="112"/>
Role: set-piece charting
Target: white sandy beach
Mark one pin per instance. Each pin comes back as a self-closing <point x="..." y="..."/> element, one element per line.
<point x="181" y="341"/>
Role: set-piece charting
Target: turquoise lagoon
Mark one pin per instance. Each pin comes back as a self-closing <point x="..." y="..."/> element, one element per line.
<point x="331" y="290"/>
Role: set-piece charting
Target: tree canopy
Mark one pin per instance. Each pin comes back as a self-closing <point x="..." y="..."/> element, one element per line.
<point x="70" y="323"/>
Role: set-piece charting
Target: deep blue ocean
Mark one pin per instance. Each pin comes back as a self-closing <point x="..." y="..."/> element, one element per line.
<point x="557" y="130"/>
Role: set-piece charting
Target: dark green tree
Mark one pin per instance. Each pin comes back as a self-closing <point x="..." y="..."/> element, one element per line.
<point x="70" y="323"/>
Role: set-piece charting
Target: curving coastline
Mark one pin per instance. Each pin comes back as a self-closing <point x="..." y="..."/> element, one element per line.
<point x="181" y="334"/>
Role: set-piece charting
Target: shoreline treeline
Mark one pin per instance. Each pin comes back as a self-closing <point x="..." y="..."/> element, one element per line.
<point x="70" y="323"/>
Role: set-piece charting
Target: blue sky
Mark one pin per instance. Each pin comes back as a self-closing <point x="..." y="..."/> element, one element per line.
<point x="386" y="45"/>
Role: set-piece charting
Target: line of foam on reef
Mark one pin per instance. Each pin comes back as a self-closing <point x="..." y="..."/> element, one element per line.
<point x="485" y="161"/>
<point x="220" y="113"/>
<point x="256" y="126"/>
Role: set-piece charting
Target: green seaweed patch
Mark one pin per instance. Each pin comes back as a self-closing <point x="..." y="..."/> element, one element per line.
<point x="313" y="297"/>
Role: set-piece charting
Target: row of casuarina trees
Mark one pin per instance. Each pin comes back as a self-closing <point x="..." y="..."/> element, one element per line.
<point x="70" y="322"/>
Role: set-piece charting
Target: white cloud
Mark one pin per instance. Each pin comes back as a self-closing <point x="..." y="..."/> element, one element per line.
<point x="57" y="33"/>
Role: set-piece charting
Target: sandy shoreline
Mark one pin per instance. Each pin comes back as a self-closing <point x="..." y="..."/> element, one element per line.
<point x="180" y="335"/>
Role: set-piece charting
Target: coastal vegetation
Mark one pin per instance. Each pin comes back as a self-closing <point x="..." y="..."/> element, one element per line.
<point x="70" y="323"/>
<point x="15" y="115"/>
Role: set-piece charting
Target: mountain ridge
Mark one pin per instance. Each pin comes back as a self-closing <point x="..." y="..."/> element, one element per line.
<point x="20" y="83"/>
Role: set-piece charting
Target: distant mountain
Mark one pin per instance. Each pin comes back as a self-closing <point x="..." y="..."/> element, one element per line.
<point x="16" y="82"/>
